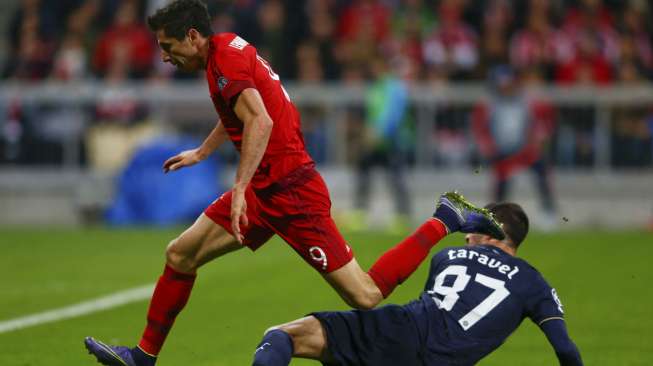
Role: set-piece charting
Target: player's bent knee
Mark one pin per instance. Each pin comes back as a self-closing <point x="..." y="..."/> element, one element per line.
<point x="177" y="258"/>
<point x="307" y="336"/>
<point x="366" y="299"/>
<point x="355" y="287"/>
<point x="274" y="327"/>
<point x="362" y="302"/>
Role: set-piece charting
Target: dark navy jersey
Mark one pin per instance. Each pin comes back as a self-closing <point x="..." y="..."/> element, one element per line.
<point x="474" y="298"/>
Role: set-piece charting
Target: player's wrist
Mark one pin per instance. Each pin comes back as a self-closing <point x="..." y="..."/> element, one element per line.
<point x="201" y="154"/>
<point x="239" y="187"/>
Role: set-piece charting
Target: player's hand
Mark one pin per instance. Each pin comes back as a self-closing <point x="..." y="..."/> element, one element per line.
<point x="238" y="213"/>
<point x="183" y="159"/>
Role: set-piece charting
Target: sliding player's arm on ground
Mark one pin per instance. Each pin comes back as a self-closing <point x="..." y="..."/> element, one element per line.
<point x="191" y="157"/>
<point x="257" y="129"/>
<point x="566" y="350"/>
<point x="546" y="310"/>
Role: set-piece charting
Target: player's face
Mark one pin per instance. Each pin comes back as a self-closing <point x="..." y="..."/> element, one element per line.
<point x="183" y="54"/>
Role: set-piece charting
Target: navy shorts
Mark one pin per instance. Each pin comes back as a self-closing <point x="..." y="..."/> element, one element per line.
<point x="386" y="336"/>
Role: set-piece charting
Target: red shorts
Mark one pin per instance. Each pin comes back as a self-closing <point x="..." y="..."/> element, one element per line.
<point x="298" y="209"/>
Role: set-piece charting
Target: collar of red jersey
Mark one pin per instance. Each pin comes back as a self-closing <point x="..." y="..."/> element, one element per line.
<point x="213" y="46"/>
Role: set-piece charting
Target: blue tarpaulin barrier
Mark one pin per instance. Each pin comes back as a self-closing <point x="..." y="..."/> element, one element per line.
<point x="147" y="196"/>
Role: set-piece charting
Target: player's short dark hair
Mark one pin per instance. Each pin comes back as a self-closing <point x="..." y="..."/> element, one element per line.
<point x="513" y="220"/>
<point x="179" y="16"/>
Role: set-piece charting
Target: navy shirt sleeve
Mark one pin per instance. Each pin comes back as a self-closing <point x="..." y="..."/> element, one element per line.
<point x="566" y="350"/>
<point x="543" y="303"/>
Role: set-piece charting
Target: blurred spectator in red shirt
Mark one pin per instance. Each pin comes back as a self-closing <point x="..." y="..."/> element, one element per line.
<point x="411" y="21"/>
<point x="126" y="31"/>
<point x="31" y="42"/>
<point x="454" y="44"/>
<point x="363" y="26"/>
<point x="589" y="11"/>
<point x="589" y="66"/>
<point x="368" y="18"/>
<point x="539" y="44"/>
<point x="71" y="61"/>
<point x="593" y="17"/>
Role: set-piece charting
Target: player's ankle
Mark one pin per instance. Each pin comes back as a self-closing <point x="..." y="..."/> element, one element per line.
<point x="143" y="358"/>
<point x="444" y="226"/>
<point x="449" y="219"/>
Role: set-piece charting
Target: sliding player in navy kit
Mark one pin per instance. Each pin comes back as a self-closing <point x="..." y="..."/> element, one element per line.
<point x="474" y="298"/>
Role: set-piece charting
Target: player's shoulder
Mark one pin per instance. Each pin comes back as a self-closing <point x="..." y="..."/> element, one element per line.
<point x="231" y="53"/>
<point x="532" y="276"/>
<point x="524" y="263"/>
<point x="230" y="43"/>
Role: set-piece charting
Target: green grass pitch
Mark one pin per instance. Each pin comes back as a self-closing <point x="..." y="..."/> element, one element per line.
<point x="604" y="280"/>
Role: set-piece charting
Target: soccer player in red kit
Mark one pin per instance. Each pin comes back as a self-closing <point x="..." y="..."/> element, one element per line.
<point x="276" y="190"/>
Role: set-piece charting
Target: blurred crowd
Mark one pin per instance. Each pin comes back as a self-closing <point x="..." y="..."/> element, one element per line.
<point x="383" y="45"/>
<point x="559" y="41"/>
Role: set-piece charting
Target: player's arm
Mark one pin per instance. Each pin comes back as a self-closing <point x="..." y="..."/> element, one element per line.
<point x="566" y="350"/>
<point x="191" y="157"/>
<point x="216" y="138"/>
<point x="256" y="132"/>
<point x="545" y="309"/>
<point x="257" y="129"/>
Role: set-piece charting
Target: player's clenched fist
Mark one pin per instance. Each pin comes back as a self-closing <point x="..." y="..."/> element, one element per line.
<point x="185" y="158"/>
<point x="238" y="213"/>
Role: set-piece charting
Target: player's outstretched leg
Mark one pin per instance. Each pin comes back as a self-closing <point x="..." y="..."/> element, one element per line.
<point x="302" y="338"/>
<point x="202" y="242"/>
<point x="117" y="355"/>
<point x="171" y="294"/>
<point x="452" y="213"/>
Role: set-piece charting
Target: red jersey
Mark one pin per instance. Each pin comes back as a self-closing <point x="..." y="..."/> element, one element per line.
<point x="233" y="65"/>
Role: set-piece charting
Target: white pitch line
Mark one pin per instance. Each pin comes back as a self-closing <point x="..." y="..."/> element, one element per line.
<point x="82" y="308"/>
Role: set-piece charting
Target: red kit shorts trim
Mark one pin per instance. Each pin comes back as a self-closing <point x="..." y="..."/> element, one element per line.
<point x="298" y="209"/>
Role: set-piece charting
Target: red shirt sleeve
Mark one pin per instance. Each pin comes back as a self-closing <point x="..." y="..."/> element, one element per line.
<point x="237" y="70"/>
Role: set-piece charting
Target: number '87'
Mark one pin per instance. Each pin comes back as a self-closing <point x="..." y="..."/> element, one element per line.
<point x="451" y="296"/>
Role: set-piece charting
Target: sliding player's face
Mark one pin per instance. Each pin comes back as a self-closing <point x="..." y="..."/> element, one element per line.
<point x="184" y="54"/>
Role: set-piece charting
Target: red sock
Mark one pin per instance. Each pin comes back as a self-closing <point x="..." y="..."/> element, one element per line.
<point x="398" y="263"/>
<point x="170" y="296"/>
